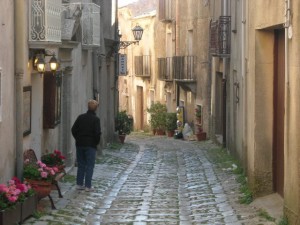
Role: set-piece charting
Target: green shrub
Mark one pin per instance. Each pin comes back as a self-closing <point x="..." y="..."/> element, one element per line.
<point x="158" y="113"/>
<point x="171" y="121"/>
<point x="123" y="123"/>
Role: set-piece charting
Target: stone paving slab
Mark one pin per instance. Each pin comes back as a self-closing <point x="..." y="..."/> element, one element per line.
<point x="153" y="180"/>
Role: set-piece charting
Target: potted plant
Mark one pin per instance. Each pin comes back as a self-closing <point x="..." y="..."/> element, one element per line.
<point x="158" y="117"/>
<point x="200" y="135"/>
<point x="198" y="114"/>
<point x="54" y="159"/>
<point x="123" y="125"/>
<point x="171" y="124"/>
<point x="13" y="197"/>
<point x="40" y="177"/>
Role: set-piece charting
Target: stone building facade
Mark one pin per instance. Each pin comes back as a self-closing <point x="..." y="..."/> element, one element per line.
<point x="260" y="74"/>
<point x="177" y="36"/>
<point x="246" y="76"/>
<point x="38" y="109"/>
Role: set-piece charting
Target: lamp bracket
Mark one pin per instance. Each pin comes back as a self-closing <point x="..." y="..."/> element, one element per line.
<point x="125" y="44"/>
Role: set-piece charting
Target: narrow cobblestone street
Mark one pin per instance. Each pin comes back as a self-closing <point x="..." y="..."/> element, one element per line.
<point x="153" y="180"/>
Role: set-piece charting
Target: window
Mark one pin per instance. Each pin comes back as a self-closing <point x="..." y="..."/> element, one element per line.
<point x="142" y="66"/>
<point x="52" y="100"/>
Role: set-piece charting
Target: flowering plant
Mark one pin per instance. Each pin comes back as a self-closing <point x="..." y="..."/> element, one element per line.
<point x="198" y="111"/>
<point x="14" y="191"/>
<point x="39" y="171"/>
<point x="53" y="159"/>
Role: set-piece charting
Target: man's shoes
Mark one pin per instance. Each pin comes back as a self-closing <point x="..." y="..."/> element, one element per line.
<point x="91" y="189"/>
<point x="80" y="187"/>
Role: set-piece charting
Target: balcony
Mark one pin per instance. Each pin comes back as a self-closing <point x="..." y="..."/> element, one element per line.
<point x="50" y="22"/>
<point x="142" y="66"/>
<point x="220" y="31"/>
<point x="165" y="10"/>
<point x="81" y="22"/>
<point x="184" y="68"/>
<point x="165" y="70"/>
<point x="45" y="21"/>
<point x="178" y="68"/>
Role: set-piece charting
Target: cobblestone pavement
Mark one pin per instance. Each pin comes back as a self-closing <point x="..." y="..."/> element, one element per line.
<point x="153" y="180"/>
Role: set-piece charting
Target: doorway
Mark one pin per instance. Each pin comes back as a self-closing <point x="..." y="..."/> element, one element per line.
<point x="140" y="108"/>
<point x="279" y="110"/>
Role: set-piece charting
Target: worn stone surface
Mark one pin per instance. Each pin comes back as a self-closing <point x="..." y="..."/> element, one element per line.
<point x="153" y="181"/>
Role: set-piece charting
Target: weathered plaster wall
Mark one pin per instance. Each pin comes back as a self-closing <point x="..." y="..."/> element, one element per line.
<point x="7" y="94"/>
<point x="260" y="100"/>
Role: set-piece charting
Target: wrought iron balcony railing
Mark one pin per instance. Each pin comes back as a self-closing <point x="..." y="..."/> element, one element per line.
<point x="45" y="20"/>
<point x="165" y="10"/>
<point x="220" y="33"/>
<point x="165" y="69"/>
<point x="181" y="68"/>
<point x="142" y="66"/>
<point x="184" y="68"/>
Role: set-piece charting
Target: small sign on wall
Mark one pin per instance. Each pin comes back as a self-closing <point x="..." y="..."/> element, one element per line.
<point x="122" y="64"/>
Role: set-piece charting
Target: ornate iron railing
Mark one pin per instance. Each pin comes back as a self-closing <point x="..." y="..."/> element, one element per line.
<point x="220" y="33"/>
<point x="45" y="20"/>
<point x="142" y="66"/>
<point x="165" y="69"/>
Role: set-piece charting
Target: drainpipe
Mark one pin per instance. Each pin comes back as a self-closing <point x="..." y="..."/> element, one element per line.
<point x="224" y="13"/>
<point x="177" y="46"/>
<point x="287" y="29"/>
<point x="243" y="70"/>
<point x="19" y="56"/>
<point x="287" y="36"/>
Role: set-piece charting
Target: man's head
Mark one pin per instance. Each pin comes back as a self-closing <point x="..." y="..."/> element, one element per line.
<point x="92" y="105"/>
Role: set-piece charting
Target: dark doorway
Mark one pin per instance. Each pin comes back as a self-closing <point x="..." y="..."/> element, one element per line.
<point x="219" y="104"/>
<point x="278" y="123"/>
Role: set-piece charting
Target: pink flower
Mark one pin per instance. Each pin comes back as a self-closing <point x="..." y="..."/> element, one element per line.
<point x="44" y="174"/>
<point x="16" y="180"/>
<point x="22" y="187"/>
<point x="12" y="198"/>
<point x="3" y="188"/>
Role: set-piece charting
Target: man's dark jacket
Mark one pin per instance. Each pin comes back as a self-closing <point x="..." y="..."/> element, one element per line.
<point x="87" y="130"/>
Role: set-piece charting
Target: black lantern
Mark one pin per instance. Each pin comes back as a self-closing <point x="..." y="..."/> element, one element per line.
<point x="39" y="63"/>
<point x="53" y="64"/>
<point x="137" y="32"/>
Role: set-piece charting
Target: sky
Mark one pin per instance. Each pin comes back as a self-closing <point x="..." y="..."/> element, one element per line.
<point x="125" y="2"/>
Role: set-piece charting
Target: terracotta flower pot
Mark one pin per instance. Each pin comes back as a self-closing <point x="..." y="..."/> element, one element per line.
<point x="42" y="187"/>
<point x="170" y="133"/>
<point x="160" y="132"/>
<point x="201" y="136"/>
<point x="122" y="138"/>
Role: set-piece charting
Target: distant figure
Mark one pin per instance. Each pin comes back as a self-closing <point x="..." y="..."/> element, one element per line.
<point x="87" y="131"/>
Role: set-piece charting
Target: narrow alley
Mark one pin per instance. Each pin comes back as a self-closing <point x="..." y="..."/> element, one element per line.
<point x="153" y="180"/>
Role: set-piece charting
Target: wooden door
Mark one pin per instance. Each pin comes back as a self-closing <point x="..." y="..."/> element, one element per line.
<point x="140" y="108"/>
<point x="279" y="96"/>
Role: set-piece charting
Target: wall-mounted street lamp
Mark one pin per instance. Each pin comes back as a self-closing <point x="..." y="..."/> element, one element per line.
<point x="39" y="63"/>
<point x="137" y="33"/>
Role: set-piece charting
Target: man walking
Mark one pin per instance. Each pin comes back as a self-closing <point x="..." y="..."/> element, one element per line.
<point x="87" y="131"/>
